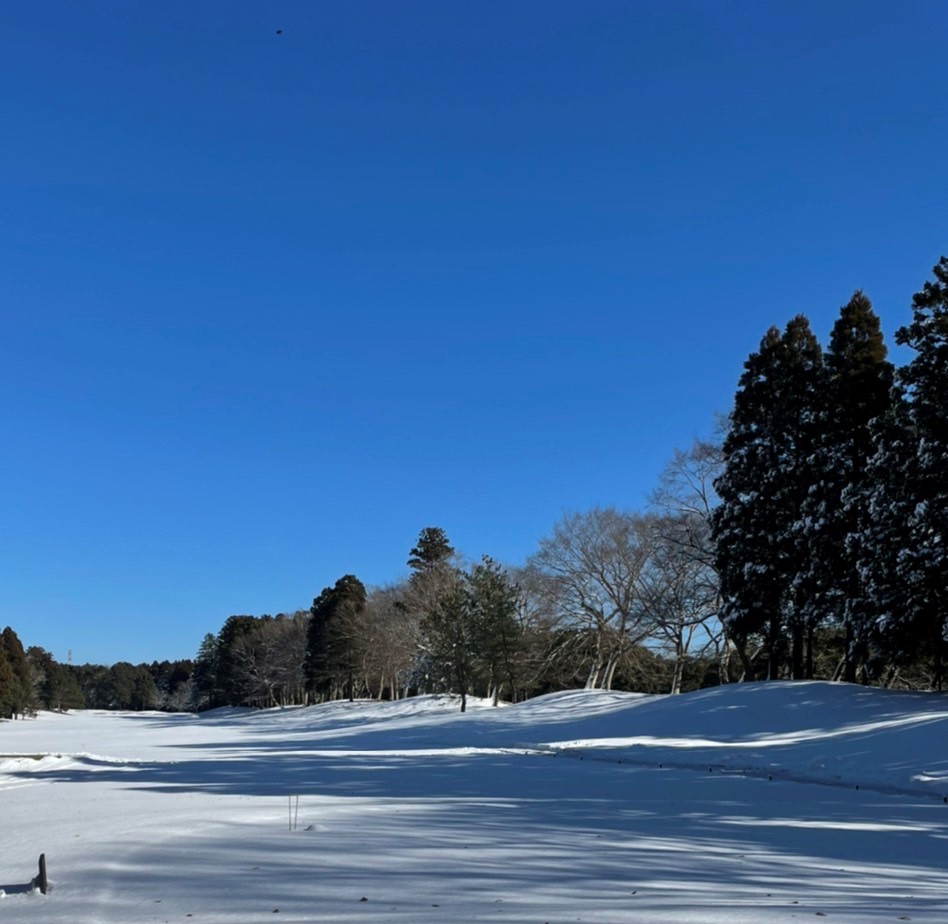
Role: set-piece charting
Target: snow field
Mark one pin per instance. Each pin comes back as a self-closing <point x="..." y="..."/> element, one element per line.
<point x="519" y="814"/>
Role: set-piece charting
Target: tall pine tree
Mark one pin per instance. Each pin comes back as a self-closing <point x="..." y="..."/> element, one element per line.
<point x="230" y="682"/>
<point x="860" y="391"/>
<point x="887" y="625"/>
<point x="922" y="566"/>
<point x="770" y="484"/>
<point x="433" y="549"/>
<point x="805" y="489"/>
<point x="19" y="697"/>
<point x="331" y="656"/>
<point x="438" y="596"/>
<point x="496" y="635"/>
<point x="7" y="681"/>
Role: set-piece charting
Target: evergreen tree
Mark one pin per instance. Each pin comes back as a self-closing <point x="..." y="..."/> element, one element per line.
<point x="769" y="486"/>
<point x="436" y="593"/>
<point x="90" y="679"/>
<point x="67" y="694"/>
<point x="20" y="697"/>
<point x="745" y="523"/>
<point x="172" y="683"/>
<point x="7" y="681"/>
<point x="231" y="680"/>
<point x="923" y="564"/>
<point x="127" y="686"/>
<point x="447" y="628"/>
<point x="432" y="549"/>
<point x="805" y="491"/>
<point x="205" y="694"/>
<point x="496" y="636"/>
<point x="331" y="651"/>
<point x="860" y="391"/>
<point x="42" y="665"/>
<point x="881" y="548"/>
<point x="55" y="684"/>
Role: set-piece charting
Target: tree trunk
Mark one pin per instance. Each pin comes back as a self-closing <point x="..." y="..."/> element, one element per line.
<point x="810" y="635"/>
<point x="849" y="654"/>
<point x="611" y="666"/>
<point x="841" y="668"/>
<point x="747" y="666"/>
<point x="774" y="649"/>
<point x="679" y="667"/>
<point x="594" y="670"/>
<point x="796" y="651"/>
<point x="724" y="675"/>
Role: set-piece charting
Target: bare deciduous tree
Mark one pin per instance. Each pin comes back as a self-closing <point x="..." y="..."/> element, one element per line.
<point x="595" y="562"/>
<point x="681" y="594"/>
<point x="685" y="496"/>
<point x="271" y="660"/>
<point x="388" y="641"/>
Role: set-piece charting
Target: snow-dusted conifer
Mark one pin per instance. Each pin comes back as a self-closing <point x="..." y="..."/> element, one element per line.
<point x="860" y="390"/>
<point x="331" y="660"/>
<point x="923" y="563"/>
<point x="763" y="527"/>
<point x="884" y="615"/>
<point x="17" y="696"/>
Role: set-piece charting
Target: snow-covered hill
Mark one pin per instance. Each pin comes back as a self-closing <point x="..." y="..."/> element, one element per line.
<point x="748" y="803"/>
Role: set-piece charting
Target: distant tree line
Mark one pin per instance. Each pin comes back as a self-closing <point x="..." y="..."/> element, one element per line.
<point x="32" y="679"/>
<point x="610" y="599"/>
<point x="811" y="541"/>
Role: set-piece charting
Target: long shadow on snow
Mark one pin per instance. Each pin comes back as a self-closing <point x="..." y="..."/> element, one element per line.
<point x="804" y="714"/>
<point x="531" y="830"/>
<point x="601" y="797"/>
<point x="18" y="888"/>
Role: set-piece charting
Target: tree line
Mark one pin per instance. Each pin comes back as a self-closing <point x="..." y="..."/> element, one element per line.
<point x="833" y="518"/>
<point x="809" y="541"/>
<point x="32" y="679"/>
<point x="610" y="599"/>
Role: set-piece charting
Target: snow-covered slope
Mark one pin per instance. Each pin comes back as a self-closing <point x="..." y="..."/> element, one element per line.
<point x="586" y="806"/>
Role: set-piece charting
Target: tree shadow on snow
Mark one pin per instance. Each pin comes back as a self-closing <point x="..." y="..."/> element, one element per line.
<point x="533" y="832"/>
<point x="606" y="797"/>
<point x="17" y="889"/>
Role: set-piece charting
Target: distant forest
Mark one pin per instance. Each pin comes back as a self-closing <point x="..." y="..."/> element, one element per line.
<point x="809" y="541"/>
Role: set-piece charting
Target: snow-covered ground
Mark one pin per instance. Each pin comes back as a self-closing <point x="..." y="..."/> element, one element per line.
<point x="747" y="804"/>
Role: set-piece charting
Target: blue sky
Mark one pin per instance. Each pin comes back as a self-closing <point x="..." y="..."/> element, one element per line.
<point x="273" y="303"/>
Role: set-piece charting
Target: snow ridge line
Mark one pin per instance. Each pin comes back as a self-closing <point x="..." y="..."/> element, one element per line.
<point x="745" y="772"/>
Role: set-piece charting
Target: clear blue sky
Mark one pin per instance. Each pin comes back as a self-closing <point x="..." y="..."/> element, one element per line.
<point x="273" y="303"/>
